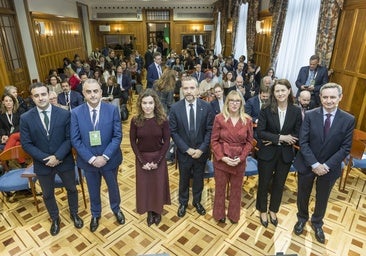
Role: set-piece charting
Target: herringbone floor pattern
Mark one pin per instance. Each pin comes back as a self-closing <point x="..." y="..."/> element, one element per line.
<point x="24" y="231"/>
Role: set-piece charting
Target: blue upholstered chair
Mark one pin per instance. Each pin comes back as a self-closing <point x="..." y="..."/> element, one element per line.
<point x="17" y="179"/>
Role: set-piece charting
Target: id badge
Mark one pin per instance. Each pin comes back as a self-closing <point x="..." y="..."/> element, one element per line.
<point x="94" y="137"/>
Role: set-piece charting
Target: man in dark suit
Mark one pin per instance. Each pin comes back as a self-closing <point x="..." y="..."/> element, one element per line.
<point x="123" y="77"/>
<point x="68" y="98"/>
<point x="311" y="78"/>
<point x="96" y="134"/>
<point x="191" y="122"/>
<point x="254" y="104"/>
<point x="154" y="71"/>
<point x="218" y="103"/>
<point x="45" y="135"/>
<point x="325" y="141"/>
<point x="304" y="102"/>
<point x="198" y="74"/>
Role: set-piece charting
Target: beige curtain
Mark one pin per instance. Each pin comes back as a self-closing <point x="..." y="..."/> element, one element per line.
<point x="327" y="28"/>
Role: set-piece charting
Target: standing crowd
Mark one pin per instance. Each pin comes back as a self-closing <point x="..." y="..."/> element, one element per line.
<point x="210" y="108"/>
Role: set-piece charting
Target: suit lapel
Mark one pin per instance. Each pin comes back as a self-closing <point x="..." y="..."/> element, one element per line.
<point x="199" y="113"/>
<point x="184" y="116"/>
<point x="38" y="121"/>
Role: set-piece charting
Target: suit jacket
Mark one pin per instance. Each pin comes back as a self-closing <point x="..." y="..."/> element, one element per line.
<point x="252" y="107"/>
<point x="331" y="150"/>
<point x="268" y="129"/>
<point x="152" y="75"/>
<point x="320" y="79"/>
<point x="76" y="99"/>
<point x="38" y="145"/>
<point x="179" y="129"/>
<point x="216" y="106"/>
<point x="5" y="126"/>
<point x="126" y="80"/>
<point x="199" y="77"/>
<point x="110" y="133"/>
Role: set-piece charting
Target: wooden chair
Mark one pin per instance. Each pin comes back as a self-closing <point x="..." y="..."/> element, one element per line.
<point x="16" y="180"/>
<point x="355" y="157"/>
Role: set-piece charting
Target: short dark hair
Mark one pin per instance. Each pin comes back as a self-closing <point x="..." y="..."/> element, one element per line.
<point x="38" y="85"/>
<point x="314" y="57"/>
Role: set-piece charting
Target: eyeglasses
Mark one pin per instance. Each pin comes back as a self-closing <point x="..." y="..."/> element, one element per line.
<point x="234" y="101"/>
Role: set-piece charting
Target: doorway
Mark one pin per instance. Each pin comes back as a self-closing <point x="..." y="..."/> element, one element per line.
<point x="159" y="34"/>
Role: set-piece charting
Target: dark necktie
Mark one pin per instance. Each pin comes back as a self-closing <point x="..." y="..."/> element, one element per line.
<point x="46" y="120"/>
<point x="94" y="117"/>
<point x="327" y="125"/>
<point x="191" y="120"/>
<point x="67" y="98"/>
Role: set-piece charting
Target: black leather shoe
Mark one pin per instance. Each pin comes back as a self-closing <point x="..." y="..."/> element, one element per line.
<point x="150" y="218"/>
<point x="78" y="222"/>
<point x="200" y="208"/>
<point x="182" y="210"/>
<point x="223" y="220"/>
<point x="299" y="227"/>
<point x="120" y="217"/>
<point x="157" y="218"/>
<point x="94" y="223"/>
<point x="273" y="221"/>
<point x="55" y="227"/>
<point x="263" y="222"/>
<point x="232" y="221"/>
<point x="319" y="234"/>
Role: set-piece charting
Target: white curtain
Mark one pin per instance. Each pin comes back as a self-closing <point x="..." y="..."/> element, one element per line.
<point x="218" y="46"/>
<point x="240" y="46"/>
<point x="298" y="39"/>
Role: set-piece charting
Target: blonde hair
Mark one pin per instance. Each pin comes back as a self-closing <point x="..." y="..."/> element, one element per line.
<point x="225" y="111"/>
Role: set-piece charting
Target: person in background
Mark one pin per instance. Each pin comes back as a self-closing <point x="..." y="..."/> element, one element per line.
<point x="217" y="104"/>
<point x="53" y="100"/>
<point x="190" y="122"/>
<point x="304" y="102"/>
<point x="23" y="107"/>
<point x="311" y="78"/>
<point x="216" y="76"/>
<point x="271" y="73"/>
<point x="54" y="84"/>
<point x="278" y="130"/>
<point x="73" y="78"/>
<point x="228" y="82"/>
<point x="206" y="86"/>
<point x="164" y="88"/>
<point x="150" y="137"/>
<point x="111" y="92"/>
<point x="154" y="71"/>
<point x="99" y="149"/>
<point x="325" y="141"/>
<point x="69" y="99"/>
<point x="231" y="142"/>
<point x="254" y="104"/>
<point x="45" y="136"/>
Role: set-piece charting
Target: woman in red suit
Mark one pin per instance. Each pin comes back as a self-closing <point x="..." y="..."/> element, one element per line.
<point x="231" y="142"/>
<point x="150" y="137"/>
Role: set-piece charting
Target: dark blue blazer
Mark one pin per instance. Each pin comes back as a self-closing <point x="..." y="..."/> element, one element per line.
<point x="268" y="129"/>
<point x="320" y="79"/>
<point x="152" y="75"/>
<point x="331" y="150"/>
<point x="76" y="99"/>
<point x="179" y="129"/>
<point x="200" y="78"/>
<point x="216" y="106"/>
<point x="110" y="131"/>
<point x="126" y="81"/>
<point x="38" y="145"/>
<point x="252" y="107"/>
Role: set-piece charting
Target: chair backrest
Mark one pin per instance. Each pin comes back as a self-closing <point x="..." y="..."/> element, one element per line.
<point x="13" y="153"/>
<point x="357" y="149"/>
<point x="359" y="135"/>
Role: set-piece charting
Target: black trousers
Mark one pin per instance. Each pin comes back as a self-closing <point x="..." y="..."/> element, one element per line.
<point x="47" y="183"/>
<point x="323" y="188"/>
<point x="191" y="169"/>
<point x="275" y="170"/>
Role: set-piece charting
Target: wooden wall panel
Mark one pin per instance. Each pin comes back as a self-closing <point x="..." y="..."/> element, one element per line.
<point x="348" y="60"/>
<point x="62" y="38"/>
<point x="262" y="46"/>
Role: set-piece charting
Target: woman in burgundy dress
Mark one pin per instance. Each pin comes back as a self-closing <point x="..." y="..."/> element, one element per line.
<point x="150" y="136"/>
<point x="231" y="142"/>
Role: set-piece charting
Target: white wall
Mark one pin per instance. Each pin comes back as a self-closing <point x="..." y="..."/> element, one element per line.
<point x="65" y="8"/>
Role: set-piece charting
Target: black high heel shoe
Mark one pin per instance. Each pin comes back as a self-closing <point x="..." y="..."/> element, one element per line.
<point x="263" y="222"/>
<point x="273" y="221"/>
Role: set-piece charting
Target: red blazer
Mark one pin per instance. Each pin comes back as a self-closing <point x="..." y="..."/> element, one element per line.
<point x="229" y="140"/>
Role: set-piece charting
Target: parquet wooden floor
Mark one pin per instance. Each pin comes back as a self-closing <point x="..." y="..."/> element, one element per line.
<point x="24" y="231"/>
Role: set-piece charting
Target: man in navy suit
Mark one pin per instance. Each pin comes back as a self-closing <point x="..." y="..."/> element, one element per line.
<point x="311" y="78"/>
<point x="198" y="74"/>
<point x="154" y="71"/>
<point x="190" y="122"/>
<point x="45" y="135"/>
<point x="96" y="134"/>
<point x="68" y="98"/>
<point x="254" y="104"/>
<point x="325" y="140"/>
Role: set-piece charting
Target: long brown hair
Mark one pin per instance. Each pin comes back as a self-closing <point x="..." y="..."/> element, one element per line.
<point x="272" y="103"/>
<point x="15" y="103"/>
<point x="167" y="81"/>
<point x="159" y="112"/>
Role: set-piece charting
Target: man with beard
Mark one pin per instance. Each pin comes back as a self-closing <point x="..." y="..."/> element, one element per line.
<point x="304" y="102"/>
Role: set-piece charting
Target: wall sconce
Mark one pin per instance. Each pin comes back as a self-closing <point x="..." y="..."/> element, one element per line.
<point x="74" y="33"/>
<point x="48" y="33"/>
<point x="118" y="29"/>
<point x="195" y="28"/>
<point x="259" y="26"/>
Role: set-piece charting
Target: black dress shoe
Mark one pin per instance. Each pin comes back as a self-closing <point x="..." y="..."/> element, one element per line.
<point x="150" y="218"/>
<point x="182" y="210"/>
<point x="94" y="223"/>
<point x="319" y="234"/>
<point x="120" y="217"/>
<point x="55" y="227"/>
<point x="299" y="227"/>
<point x="223" y="220"/>
<point x="78" y="222"/>
<point x="232" y="221"/>
<point x="200" y="208"/>
<point x="273" y="221"/>
<point x="157" y="218"/>
<point x="263" y="222"/>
